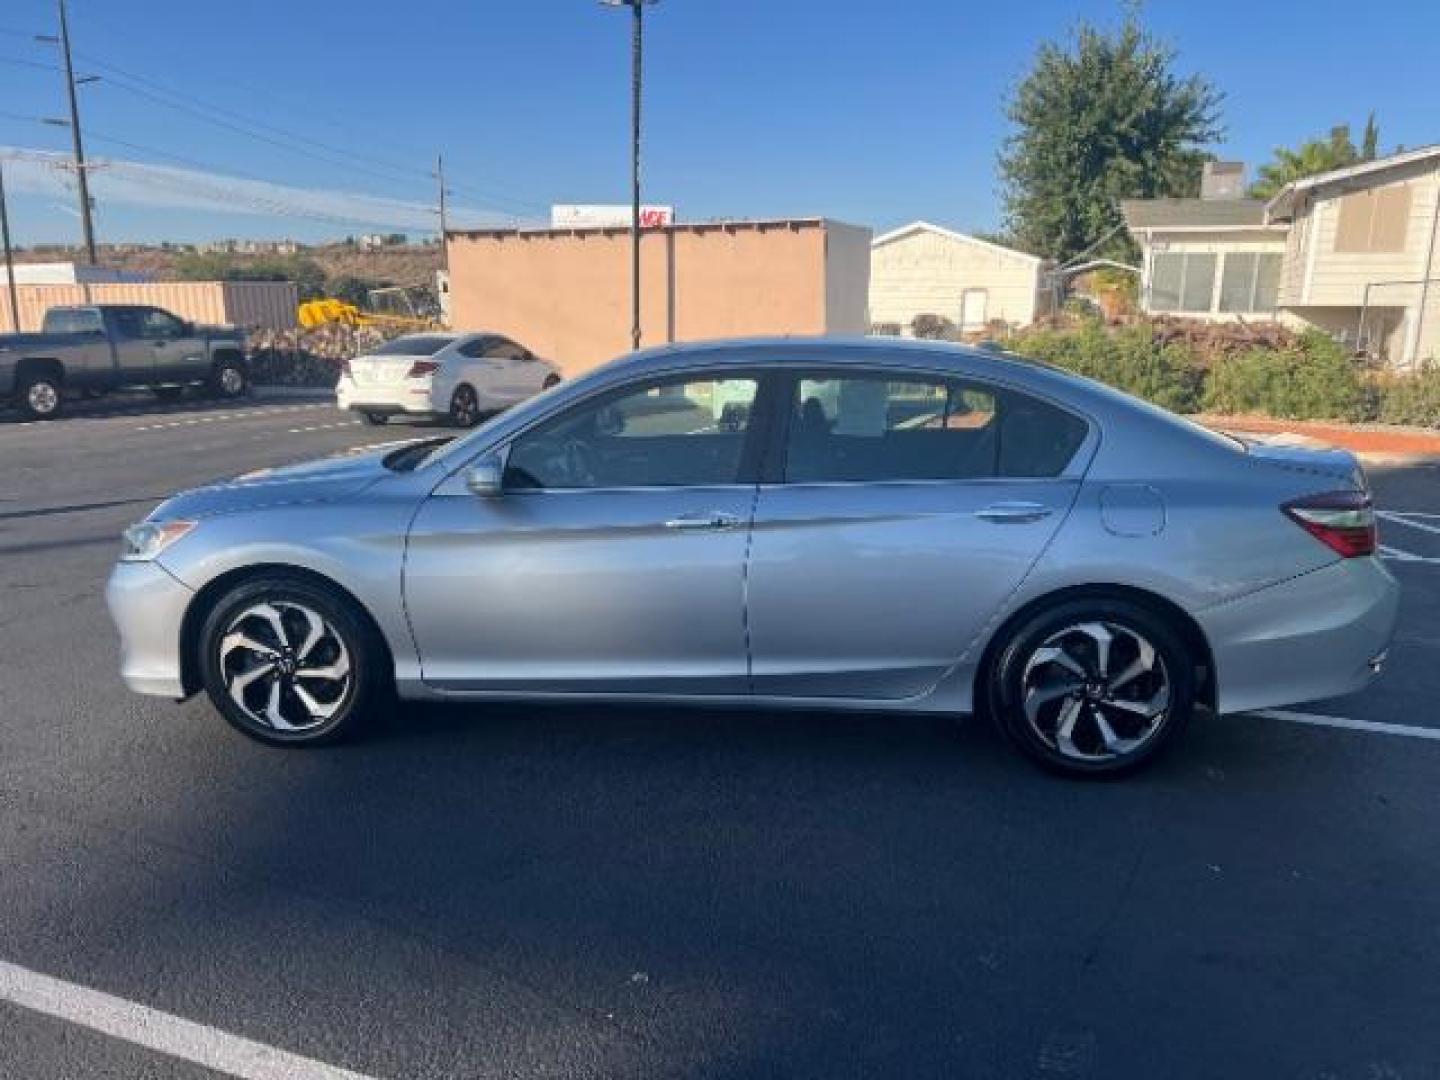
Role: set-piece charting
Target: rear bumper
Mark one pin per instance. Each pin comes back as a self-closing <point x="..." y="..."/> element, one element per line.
<point x="1319" y="635"/>
<point x="412" y="396"/>
<point x="148" y="607"/>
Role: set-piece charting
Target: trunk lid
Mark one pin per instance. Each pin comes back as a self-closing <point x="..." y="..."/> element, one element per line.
<point x="1332" y="462"/>
<point x="371" y="370"/>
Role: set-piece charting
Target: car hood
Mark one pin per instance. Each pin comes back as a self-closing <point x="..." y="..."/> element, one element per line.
<point x="323" y="480"/>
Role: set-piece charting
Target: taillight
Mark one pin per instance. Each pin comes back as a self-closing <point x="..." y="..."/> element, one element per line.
<point x="423" y="367"/>
<point x="1343" y="521"/>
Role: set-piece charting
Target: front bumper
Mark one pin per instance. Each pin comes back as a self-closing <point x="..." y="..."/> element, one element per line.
<point x="1319" y="635"/>
<point x="410" y="396"/>
<point x="148" y="606"/>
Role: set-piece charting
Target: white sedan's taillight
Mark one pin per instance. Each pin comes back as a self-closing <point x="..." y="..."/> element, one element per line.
<point x="1343" y="521"/>
<point x="420" y="368"/>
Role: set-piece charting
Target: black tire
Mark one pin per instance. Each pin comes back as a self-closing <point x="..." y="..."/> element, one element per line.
<point x="168" y="393"/>
<point x="375" y="419"/>
<point x="464" y="407"/>
<point x="40" y="395"/>
<point x="350" y="641"/>
<point x="229" y="379"/>
<point x="550" y="380"/>
<point x="1088" y="752"/>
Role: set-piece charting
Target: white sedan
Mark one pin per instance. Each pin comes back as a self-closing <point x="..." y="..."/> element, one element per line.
<point x="459" y="376"/>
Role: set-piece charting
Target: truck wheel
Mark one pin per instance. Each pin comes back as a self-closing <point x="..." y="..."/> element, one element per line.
<point x="228" y="380"/>
<point x="41" y="396"/>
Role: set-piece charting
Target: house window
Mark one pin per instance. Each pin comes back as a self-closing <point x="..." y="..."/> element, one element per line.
<point x="1374" y="220"/>
<point x="1250" y="282"/>
<point x="1182" y="281"/>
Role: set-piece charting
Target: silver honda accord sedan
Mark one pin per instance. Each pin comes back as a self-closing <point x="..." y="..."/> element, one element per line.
<point x="871" y="524"/>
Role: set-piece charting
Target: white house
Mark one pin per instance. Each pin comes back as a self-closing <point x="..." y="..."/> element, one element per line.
<point x="1353" y="251"/>
<point x="922" y="269"/>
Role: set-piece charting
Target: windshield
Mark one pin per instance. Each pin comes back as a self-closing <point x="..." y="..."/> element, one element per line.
<point x="413" y="345"/>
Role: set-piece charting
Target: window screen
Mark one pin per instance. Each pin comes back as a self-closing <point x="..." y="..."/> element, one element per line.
<point x="873" y="428"/>
<point x="1250" y="282"/>
<point x="1199" y="282"/>
<point x="1181" y="281"/>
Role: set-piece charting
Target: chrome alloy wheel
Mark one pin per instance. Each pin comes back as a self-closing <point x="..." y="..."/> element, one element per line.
<point x="43" y="398"/>
<point x="284" y="666"/>
<point x="1096" y="691"/>
<point x="232" y="380"/>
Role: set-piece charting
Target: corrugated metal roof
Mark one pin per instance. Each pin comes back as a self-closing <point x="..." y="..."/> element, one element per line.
<point x="1218" y="214"/>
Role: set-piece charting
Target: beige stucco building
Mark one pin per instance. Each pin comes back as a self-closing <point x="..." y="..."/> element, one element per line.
<point x="1353" y="251"/>
<point x="925" y="269"/>
<point x="565" y="293"/>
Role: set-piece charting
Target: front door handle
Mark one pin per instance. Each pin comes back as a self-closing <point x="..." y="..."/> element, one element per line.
<point x="1013" y="513"/>
<point x="709" y="520"/>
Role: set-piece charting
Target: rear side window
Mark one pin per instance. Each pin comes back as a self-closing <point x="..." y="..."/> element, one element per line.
<point x="877" y="428"/>
<point x="73" y="321"/>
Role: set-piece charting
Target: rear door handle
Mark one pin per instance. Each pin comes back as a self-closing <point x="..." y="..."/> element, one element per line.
<point x="710" y="520"/>
<point x="1013" y="513"/>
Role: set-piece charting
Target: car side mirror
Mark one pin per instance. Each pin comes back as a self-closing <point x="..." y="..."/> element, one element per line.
<point x="486" y="478"/>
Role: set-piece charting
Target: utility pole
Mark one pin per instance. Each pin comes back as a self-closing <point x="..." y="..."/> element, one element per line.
<point x="444" y="220"/>
<point x="9" y="257"/>
<point x="83" y="180"/>
<point x="637" y="46"/>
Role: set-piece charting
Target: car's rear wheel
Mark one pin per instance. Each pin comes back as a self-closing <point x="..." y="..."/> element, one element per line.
<point x="464" y="407"/>
<point x="375" y="419"/>
<point x="292" y="663"/>
<point x="229" y="379"/>
<point x="550" y="380"/>
<point x="40" y="395"/>
<point x="1094" y="687"/>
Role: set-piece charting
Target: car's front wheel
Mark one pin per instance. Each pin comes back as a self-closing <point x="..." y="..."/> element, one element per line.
<point x="41" y="396"/>
<point x="1094" y="687"/>
<point x="291" y="662"/>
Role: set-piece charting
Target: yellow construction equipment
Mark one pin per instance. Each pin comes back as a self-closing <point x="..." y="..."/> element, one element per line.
<point x="316" y="313"/>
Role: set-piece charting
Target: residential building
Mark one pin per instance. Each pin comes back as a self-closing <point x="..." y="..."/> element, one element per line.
<point x="1353" y="251"/>
<point x="566" y="292"/>
<point x="925" y="269"/>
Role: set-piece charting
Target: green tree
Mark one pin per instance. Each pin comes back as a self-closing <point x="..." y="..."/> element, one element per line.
<point x="1100" y="118"/>
<point x="217" y="266"/>
<point x="1315" y="156"/>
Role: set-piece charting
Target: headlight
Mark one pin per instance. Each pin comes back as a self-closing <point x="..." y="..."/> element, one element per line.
<point x="143" y="542"/>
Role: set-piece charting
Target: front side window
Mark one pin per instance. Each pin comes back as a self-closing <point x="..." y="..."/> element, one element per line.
<point x="676" y="433"/>
<point x="876" y="428"/>
<point x="160" y="324"/>
<point x="128" y="323"/>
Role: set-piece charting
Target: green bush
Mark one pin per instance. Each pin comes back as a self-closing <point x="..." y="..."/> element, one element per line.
<point x="1312" y="379"/>
<point x="1410" y="399"/>
<point x="1128" y="359"/>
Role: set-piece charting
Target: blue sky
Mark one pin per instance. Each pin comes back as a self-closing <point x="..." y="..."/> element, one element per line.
<point x="876" y="114"/>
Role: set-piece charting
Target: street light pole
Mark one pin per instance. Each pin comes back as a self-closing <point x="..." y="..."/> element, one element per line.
<point x="9" y="258"/>
<point x="80" y="172"/>
<point x="637" y="47"/>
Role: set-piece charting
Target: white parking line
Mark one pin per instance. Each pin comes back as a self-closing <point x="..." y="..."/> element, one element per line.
<point x="159" y="1031"/>
<point x="1372" y="727"/>
<point x="1404" y="519"/>
<point x="324" y="427"/>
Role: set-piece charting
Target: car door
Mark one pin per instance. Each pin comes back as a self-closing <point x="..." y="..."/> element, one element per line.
<point x="517" y="376"/>
<point x="899" y="512"/>
<point x="179" y="355"/>
<point x="613" y="561"/>
<point x="134" y="354"/>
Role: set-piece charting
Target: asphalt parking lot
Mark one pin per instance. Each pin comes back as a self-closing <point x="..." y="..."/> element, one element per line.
<point x="605" y="892"/>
